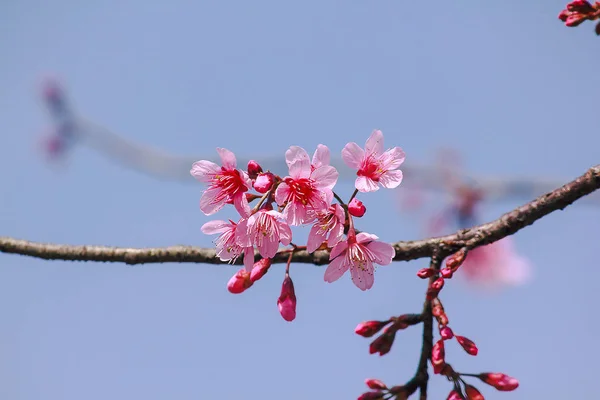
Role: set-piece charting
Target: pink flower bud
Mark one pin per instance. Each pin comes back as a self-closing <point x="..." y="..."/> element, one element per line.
<point x="468" y="345"/>
<point x="472" y="393"/>
<point x="369" y="328"/>
<point x="425" y="273"/>
<point x="260" y="268"/>
<point x="442" y="319"/>
<point x="371" y="396"/>
<point x="239" y="282"/>
<point x="287" y="300"/>
<point x="356" y="208"/>
<point x="264" y="182"/>
<point x="446" y="273"/>
<point x="375" y="384"/>
<point x="574" y="20"/>
<point x="454" y="396"/>
<point x="456" y="259"/>
<point x="564" y="14"/>
<point x="383" y="344"/>
<point x="438" y="284"/>
<point x="580" y="6"/>
<point x="502" y="382"/>
<point x="437" y="356"/>
<point x="446" y="333"/>
<point x="254" y="169"/>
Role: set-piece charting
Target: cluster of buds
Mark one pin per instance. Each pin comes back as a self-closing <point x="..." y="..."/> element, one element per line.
<point x="379" y="391"/>
<point x="463" y="390"/>
<point x="452" y="264"/>
<point x="580" y="10"/>
<point x="383" y="343"/>
<point x="304" y="197"/>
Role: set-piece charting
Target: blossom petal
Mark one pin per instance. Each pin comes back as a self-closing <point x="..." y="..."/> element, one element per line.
<point x="365" y="184"/>
<point x="240" y="202"/>
<point x="336" y="235"/>
<point x="391" y="179"/>
<point x="241" y="233"/>
<point x="384" y="252"/>
<point x="335" y="270"/>
<point x="294" y="213"/>
<point x="316" y="237"/>
<point x="363" y="277"/>
<point x="282" y="193"/>
<point x="338" y="249"/>
<point x="374" y="144"/>
<point x="321" y="157"/>
<point x="392" y="158"/>
<point x="325" y="177"/>
<point x="298" y="162"/>
<point x="353" y="155"/>
<point x="227" y="158"/>
<point x="204" y="170"/>
<point x="285" y="233"/>
<point x="364" y="237"/>
<point x="216" y="226"/>
<point x="269" y="246"/>
<point x="249" y="258"/>
<point x="208" y="202"/>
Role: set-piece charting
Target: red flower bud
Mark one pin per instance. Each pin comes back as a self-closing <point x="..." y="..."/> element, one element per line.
<point x="371" y="396"/>
<point x="468" y="345"/>
<point x="454" y="396"/>
<point x="264" y="182"/>
<point x="356" y="208"/>
<point x="446" y="333"/>
<point x="383" y="344"/>
<point x="375" y="384"/>
<point x="574" y="20"/>
<point x="254" y="169"/>
<point x="472" y="393"/>
<point x="437" y="356"/>
<point x="456" y="259"/>
<point x="446" y="273"/>
<point x="287" y="300"/>
<point x="580" y="6"/>
<point x="564" y="14"/>
<point x="369" y="328"/>
<point x="425" y="273"/>
<point x="438" y="284"/>
<point x="260" y="268"/>
<point x="502" y="382"/>
<point x="239" y="282"/>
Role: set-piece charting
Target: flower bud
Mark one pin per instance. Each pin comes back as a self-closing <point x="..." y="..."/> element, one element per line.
<point x="375" y="384"/>
<point x="369" y="328"/>
<point x="468" y="345"/>
<point x="502" y="382"/>
<point x="446" y="333"/>
<point x="456" y="259"/>
<point x="580" y="6"/>
<point x="239" y="282"/>
<point x="437" y="356"/>
<point x="564" y="14"/>
<point x="472" y="393"/>
<point x="356" y="208"/>
<point x="264" y="182"/>
<point x="454" y="396"/>
<point x="287" y="300"/>
<point x="260" y="268"/>
<point x="254" y="169"/>
<point x="424" y="273"/>
<point x="438" y="284"/>
<point x="442" y="319"/>
<point x="372" y="396"/>
<point x="446" y="273"/>
<point x="383" y="344"/>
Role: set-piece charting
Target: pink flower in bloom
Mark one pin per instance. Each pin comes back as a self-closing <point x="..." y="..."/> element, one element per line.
<point x="373" y="164"/>
<point x="358" y="254"/>
<point x="330" y="222"/>
<point x="308" y="188"/>
<point x="227" y="244"/>
<point x="226" y="184"/>
<point x="496" y="264"/>
<point x="264" y="229"/>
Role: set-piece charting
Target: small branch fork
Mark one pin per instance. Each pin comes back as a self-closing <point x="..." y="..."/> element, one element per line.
<point x="506" y="225"/>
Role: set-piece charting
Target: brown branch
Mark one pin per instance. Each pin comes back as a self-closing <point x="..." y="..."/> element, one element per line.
<point x="506" y="225"/>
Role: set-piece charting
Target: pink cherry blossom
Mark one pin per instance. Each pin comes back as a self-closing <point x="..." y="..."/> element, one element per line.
<point x="265" y="230"/>
<point x="373" y="164"/>
<point x="329" y="222"/>
<point x="496" y="264"/>
<point x="226" y="184"/>
<point x="227" y="244"/>
<point x="306" y="190"/>
<point x="358" y="254"/>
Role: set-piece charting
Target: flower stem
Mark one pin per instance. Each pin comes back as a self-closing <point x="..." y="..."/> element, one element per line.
<point x="353" y="195"/>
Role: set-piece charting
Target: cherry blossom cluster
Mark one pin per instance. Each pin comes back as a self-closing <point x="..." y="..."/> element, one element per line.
<point x="437" y="357"/>
<point x="579" y="11"/>
<point x="305" y="197"/>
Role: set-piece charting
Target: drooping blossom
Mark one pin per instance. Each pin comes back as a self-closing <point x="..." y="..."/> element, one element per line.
<point x="239" y="282"/>
<point x="226" y="184"/>
<point x="329" y="227"/>
<point x="358" y="253"/>
<point x="265" y="229"/>
<point x="496" y="264"/>
<point x="228" y="244"/>
<point x="287" y="300"/>
<point x="375" y="167"/>
<point x="306" y="190"/>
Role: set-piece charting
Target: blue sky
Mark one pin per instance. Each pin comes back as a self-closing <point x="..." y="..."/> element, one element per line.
<point x="504" y="82"/>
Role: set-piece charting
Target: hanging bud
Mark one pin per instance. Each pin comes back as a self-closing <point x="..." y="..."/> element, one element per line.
<point x="446" y="273"/>
<point x="264" y="182"/>
<point x="454" y="395"/>
<point x="383" y="344"/>
<point x="446" y="333"/>
<point x="371" y="396"/>
<point x="425" y="273"/>
<point x="287" y="300"/>
<point x="456" y="259"/>
<point x="438" y="284"/>
<point x="356" y="208"/>
<point x="254" y="169"/>
<point x="369" y="328"/>
<point x="501" y="382"/>
<point x="468" y="345"/>
<point x="472" y="393"/>
<point x="375" y="384"/>
<point x="260" y="268"/>
<point x="442" y="319"/>
<point x="437" y="356"/>
<point x="239" y="282"/>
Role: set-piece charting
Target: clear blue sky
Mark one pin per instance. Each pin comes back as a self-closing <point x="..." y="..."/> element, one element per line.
<point x="505" y="82"/>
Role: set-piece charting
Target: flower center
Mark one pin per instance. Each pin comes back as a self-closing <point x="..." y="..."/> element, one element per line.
<point x="301" y="189"/>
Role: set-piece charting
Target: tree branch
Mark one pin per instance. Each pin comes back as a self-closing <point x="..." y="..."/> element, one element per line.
<point x="506" y="225"/>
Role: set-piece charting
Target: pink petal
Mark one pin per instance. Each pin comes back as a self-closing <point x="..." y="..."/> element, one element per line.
<point x="338" y="249"/>
<point x="282" y="193"/>
<point x="363" y="278"/>
<point x="240" y="202"/>
<point x="315" y="238"/>
<point x="321" y="156"/>
<point x="217" y="226"/>
<point x="204" y="170"/>
<point x="285" y="233"/>
<point x="374" y="144"/>
<point x="325" y="177"/>
<point x="391" y="179"/>
<point x="294" y="213"/>
<point x="392" y="158"/>
<point x="339" y="213"/>
<point x="384" y="252"/>
<point x="353" y="155"/>
<point x="241" y="234"/>
<point x="336" y="235"/>
<point x="365" y="237"/>
<point x="249" y="258"/>
<point x="298" y="162"/>
<point x="269" y="246"/>
<point x="227" y="158"/>
<point x="364" y="184"/>
<point x="207" y="202"/>
<point x="335" y="270"/>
